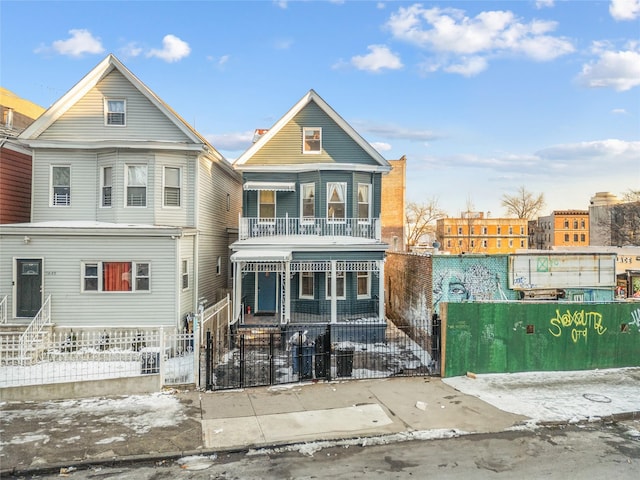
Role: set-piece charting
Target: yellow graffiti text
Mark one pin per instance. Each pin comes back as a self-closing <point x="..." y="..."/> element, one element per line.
<point x="579" y="321"/>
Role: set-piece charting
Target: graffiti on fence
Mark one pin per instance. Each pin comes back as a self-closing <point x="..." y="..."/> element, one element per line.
<point x="477" y="282"/>
<point x="635" y="318"/>
<point x="579" y="321"/>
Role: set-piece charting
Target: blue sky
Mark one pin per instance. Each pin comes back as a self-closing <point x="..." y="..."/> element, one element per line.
<point x="481" y="96"/>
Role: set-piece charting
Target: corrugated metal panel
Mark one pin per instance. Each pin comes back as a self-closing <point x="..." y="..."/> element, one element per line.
<point x="286" y="146"/>
<point x="85" y="119"/>
<point x="562" y="271"/>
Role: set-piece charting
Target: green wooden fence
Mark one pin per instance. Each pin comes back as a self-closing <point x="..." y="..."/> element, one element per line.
<point x="522" y="336"/>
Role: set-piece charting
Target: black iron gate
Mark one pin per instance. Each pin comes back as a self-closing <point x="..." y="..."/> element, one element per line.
<point x="296" y="353"/>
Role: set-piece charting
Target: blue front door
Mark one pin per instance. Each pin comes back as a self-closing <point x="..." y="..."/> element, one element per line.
<point x="267" y="283"/>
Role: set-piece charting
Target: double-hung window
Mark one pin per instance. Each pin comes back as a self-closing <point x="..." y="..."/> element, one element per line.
<point x="136" y="186"/>
<point x="364" y="201"/>
<point x="364" y="285"/>
<point x="266" y="205"/>
<point x="307" y="285"/>
<point x="308" y="201"/>
<point x="312" y="140"/>
<point x="171" y="187"/>
<point x="115" y="277"/>
<point x="115" y="112"/>
<point x="107" y="186"/>
<point x="336" y="201"/>
<point x="340" y="293"/>
<point x="185" y="274"/>
<point x="60" y="185"/>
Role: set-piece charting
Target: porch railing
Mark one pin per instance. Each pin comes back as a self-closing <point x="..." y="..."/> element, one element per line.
<point x="32" y="334"/>
<point x="251" y="227"/>
<point x="3" y="310"/>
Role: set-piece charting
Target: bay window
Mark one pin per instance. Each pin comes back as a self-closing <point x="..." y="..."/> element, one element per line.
<point x="136" y="186"/>
<point x="336" y="201"/>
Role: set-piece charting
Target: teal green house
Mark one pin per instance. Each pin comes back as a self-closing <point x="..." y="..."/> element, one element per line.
<point x="309" y="248"/>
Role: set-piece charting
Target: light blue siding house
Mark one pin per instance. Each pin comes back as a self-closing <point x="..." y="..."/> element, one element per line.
<point x="133" y="212"/>
<point x="309" y="248"/>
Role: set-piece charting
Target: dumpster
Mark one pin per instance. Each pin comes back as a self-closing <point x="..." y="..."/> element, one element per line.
<point x="344" y="361"/>
<point x="302" y="358"/>
<point x="150" y="362"/>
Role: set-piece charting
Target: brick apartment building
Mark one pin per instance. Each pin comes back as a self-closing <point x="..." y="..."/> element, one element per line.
<point x="563" y="228"/>
<point x="392" y="215"/>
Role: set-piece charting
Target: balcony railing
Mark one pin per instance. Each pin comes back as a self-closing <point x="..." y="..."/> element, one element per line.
<point x="323" y="227"/>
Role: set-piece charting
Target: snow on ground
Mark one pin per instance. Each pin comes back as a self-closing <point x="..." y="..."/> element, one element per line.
<point x="557" y="396"/>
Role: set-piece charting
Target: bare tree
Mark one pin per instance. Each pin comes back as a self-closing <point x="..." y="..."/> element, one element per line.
<point x="421" y="219"/>
<point x="523" y="204"/>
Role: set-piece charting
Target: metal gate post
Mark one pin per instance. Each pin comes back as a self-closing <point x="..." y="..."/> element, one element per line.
<point x="208" y="362"/>
<point x="242" y="361"/>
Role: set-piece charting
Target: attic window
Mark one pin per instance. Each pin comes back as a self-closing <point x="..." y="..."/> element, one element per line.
<point x="312" y="141"/>
<point x="115" y="112"/>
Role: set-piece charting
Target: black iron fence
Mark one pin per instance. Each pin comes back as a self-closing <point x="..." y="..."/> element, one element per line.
<point x="313" y="352"/>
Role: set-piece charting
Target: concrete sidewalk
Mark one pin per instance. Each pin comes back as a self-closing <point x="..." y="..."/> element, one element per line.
<point x="50" y="435"/>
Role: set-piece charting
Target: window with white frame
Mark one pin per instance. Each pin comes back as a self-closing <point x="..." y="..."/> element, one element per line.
<point x="364" y="285"/>
<point x="312" y="140"/>
<point x="459" y="230"/>
<point x="171" y="187"/>
<point x="336" y="201"/>
<point x="106" y="186"/>
<point x="339" y="285"/>
<point x="115" y="112"/>
<point x="185" y="274"/>
<point x="364" y="201"/>
<point x="136" y="186"/>
<point x="218" y="265"/>
<point x="61" y="185"/>
<point x="307" y="285"/>
<point x="308" y="201"/>
<point x="116" y="276"/>
<point x="498" y="243"/>
<point x="266" y="204"/>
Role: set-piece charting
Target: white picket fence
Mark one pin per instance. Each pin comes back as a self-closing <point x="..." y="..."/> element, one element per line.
<point x="95" y="355"/>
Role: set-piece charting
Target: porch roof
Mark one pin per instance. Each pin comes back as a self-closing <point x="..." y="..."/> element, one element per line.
<point x="277" y="186"/>
<point x="261" y="255"/>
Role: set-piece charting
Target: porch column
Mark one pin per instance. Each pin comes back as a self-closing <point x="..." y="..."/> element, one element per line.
<point x="287" y="292"/>
<point x="237" y="290"/>
<point x="381" y="315"/>
<point x="334" y="299"/>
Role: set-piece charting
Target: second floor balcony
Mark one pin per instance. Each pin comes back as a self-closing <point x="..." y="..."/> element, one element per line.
<point x="251" y="227"/>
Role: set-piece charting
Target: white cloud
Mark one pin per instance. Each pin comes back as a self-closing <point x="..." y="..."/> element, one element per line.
<point x="451" y="33"/>
<point x="131" y="50"/>
<point x="619" y="111"/>
<point x="231" y="141"/>
<point x="619" y="70"/>
<point x="81" y="42"/>
<point x="396" y="132"/>
<point x="380" y="58"/>
<point x="468" y="67"/>
<point x="594" y="153"/>
<point x="173" y="49"/>
<point x="281" y="3"/>
<point x="544" y="3"/>
<point x="381" y="146"/>
<point x="624" y="9"/>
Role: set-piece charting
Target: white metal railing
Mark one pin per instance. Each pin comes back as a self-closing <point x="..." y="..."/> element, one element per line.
<point x="32" y="334"/>
<point x="71" y="356"/>
<point x="215" y="318"/>
<point x="251" y="227"/>
<point x="3" y="310"/>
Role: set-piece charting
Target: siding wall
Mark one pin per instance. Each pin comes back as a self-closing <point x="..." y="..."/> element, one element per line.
<point x="187" y="296"/>
<point x="286" y="146"/>
<point x="85" y="119"/>
<point x="15" y="186"/>
<point x="62" y="257"/>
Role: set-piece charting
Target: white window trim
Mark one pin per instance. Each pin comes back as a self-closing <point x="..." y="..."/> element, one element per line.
<point x="102" y="186"/>
<point x="313" y="289"/>
<point x="106" y="112"/>
<point x="346" y="195"/>
<point x="126" y="186"/>
<point x="51" y="186"/>
<point x="268" y="220"/>
<point x="100" y="290"/>
<point x="368" y="219"/>
<point x="164" y="185"/>
<point x="328" y="285"/>
<point x="304" y="136"/>
<point x="219" y="265"/>
<point x="368" y="294"/>
<point x="304" y="219"/>
<point x="183" y="273"/>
